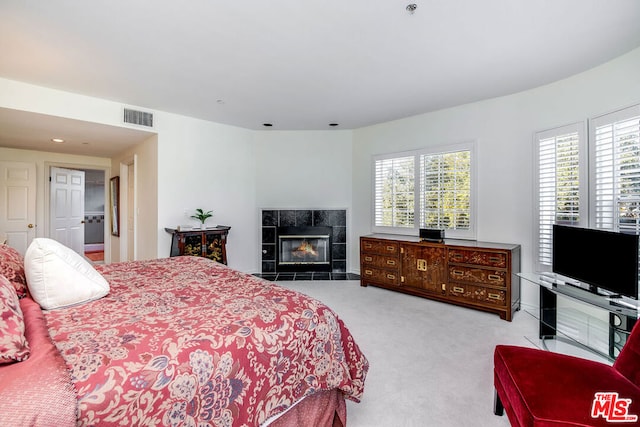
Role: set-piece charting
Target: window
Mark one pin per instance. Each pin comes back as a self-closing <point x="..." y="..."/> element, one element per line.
<point x="561" y="184"/>
<point x="445" y="190"/>
<point x="615" y="160"/>
<point x="395" y="192"/>
<point x="431" y="188"/>
<point x="608" y="196"/>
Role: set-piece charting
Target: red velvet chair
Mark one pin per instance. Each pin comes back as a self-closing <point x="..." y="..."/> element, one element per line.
<point x="542" y="389"/>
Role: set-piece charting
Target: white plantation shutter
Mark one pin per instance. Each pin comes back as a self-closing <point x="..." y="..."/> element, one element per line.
<point x="430" y="188"/>
<point x="394" y="190"/>
<point x="561" y="186"/>
<point x="445" y="189"/>
<point x="615" y="164"/>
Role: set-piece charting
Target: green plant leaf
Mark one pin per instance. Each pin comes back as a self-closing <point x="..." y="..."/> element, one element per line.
<point x="202" y="215"/>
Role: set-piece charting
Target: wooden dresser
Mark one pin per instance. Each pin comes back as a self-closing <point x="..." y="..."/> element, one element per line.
<point x="480" y="275"/>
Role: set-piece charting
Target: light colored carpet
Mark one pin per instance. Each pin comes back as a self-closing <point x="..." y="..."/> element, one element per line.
<point x="431" y="363"/>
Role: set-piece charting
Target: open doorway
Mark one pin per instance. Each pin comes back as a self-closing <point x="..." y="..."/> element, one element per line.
<point x="77" y="200"/>
<point x="94" y="222"/>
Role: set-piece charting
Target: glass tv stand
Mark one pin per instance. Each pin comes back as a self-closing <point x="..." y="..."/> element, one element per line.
<point x="623" y="312"/>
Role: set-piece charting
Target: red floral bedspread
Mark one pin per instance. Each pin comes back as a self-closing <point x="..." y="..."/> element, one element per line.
<point x="187" y="341"/>
<point x="37" y="391"/>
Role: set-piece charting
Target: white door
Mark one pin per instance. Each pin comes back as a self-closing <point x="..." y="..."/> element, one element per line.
<point x="67" y="208"/>
<point x="17" y="204"/>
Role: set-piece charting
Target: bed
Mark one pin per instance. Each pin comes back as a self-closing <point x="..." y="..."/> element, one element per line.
<point x="182" y="341"/>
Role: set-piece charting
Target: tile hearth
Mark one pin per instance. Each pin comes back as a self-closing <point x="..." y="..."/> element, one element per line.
<point x="323" y="275"/>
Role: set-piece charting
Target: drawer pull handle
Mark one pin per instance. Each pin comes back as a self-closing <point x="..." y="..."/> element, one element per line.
<point x="495" y="259"/>
<point x="368" y="245"/>
<point x="391" y="276"/>
<point x="457" y="289"/>
<point x="391" y="248"/>
<point x="494" y="296"/>
<point x="457" y="256"/>
<point x="391" y="262"/>
<point x="457" y="273"/>
<point x="368" y="258"/>
<point x="368" y="272"/>
<point x="494" y="277"/>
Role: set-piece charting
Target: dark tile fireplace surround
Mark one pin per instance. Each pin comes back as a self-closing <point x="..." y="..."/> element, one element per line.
<point x="335" y="219"/>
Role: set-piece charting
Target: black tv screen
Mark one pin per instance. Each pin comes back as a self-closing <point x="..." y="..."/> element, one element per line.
<point x="602" y="259"/>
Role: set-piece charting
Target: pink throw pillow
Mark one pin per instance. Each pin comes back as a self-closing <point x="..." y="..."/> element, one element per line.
<point x="13" y="344"/>
<point x="12" y="267"/>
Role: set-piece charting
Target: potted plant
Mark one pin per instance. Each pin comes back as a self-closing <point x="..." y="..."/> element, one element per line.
<point x="202" y="216"/>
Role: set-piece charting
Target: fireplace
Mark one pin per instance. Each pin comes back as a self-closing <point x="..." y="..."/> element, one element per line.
<point x="303" y="248"/>
<point x="334" y="222"/>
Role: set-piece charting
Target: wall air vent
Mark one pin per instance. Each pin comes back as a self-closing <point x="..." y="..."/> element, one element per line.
<point x="140" y="118"/>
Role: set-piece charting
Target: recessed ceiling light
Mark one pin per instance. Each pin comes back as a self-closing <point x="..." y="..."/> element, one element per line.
<point x="267" y="124"/>
<point x="57" y="140"/>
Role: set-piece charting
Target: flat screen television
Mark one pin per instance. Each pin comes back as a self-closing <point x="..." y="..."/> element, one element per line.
<point x="604" y="260"/>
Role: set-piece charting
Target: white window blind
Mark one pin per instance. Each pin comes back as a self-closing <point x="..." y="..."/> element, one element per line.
<point x="560" y="185"/>
<point x="394" y="190"/>
<point x="430" y="188"/>
<point x="445" y="190"/>
<point x="615" y="161"/>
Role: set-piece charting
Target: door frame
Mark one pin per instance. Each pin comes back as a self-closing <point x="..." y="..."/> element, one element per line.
<point x="47" y="202"/>
<point x="125" y="208"/>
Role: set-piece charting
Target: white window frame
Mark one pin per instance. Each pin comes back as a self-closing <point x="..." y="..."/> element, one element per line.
<point x="543" y="222"/>
<point x="390" y="156"/>
<point x="469" y="233"/>
<point x="597" y="217"/>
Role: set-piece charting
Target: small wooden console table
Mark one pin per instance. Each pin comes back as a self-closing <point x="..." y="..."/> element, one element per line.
<point x="209" y="242"/>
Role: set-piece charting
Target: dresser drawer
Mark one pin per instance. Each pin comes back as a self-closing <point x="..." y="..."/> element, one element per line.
<point x="469" y="256"/>
<point x="380" y="247"/>
<point x="484" y="276"/>
<point x="477" y="294"/>
<point x="376" y="275"/>
<point x="380" y="261"/>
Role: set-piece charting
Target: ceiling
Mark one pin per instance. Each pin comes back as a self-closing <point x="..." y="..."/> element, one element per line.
<point x="302" y="65"/>
<point x="32" y="131"/>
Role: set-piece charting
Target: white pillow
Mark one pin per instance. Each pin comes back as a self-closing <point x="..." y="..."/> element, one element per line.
<point x="59" y="277"/>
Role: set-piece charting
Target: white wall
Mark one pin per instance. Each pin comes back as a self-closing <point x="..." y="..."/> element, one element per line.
<point x="210" y="166"/>
<point x="303" y="170"/>
<point x="503" y="128"/>
<point x="37" y="99"/>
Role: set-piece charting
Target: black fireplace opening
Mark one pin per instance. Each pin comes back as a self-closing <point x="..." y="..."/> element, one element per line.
<point x="306" y="248"/>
